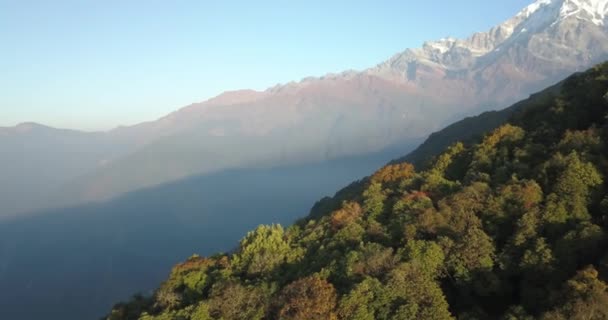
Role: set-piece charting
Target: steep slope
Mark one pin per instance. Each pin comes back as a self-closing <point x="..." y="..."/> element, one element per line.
<point x="471" y="129"/>
<point x="511" y="227"/>
<point x="397" y="102"/>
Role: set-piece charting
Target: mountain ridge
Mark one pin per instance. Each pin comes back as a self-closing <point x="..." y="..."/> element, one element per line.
<point x="398" y="101"/>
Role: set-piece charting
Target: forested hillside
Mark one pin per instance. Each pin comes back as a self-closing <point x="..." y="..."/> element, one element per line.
<point x="511" y="227"/>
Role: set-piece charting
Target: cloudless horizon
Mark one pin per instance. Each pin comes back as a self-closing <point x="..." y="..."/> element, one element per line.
<point x="98" y="65"/>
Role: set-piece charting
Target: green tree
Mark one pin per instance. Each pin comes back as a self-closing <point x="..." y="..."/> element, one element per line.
<point x="201" y="312"/>
<point x="580" y="246"/>
<point x="373" y="202"/>
<point x="406" y="212"/>
<point x="517" y="313"/>
<point x="262" y="250"/>
<point x="511" y="203"/>
<point x="427" y="255"/>
<point x="584" y="297"/>
<point x="537" y="272"/>
<point x="368" y="300"/>
<point x="584" y="142"/>
<point x="470" y="254"/>
<point x="415" y="295"/>
<point x="572" y="190"/>
<point x="494" y="151"/>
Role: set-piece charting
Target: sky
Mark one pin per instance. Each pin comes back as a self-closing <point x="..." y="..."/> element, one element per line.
<point x="94" y="65"/>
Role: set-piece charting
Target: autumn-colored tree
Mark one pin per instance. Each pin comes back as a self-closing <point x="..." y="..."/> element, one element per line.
<point x="239" y="302"/>
<point x="349" y="213"/>
<point x="371" y="259"/>
<point x="394" y="172"/>
<point x="310" y="298"/>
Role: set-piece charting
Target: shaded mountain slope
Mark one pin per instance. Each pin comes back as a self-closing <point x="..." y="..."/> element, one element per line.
<point x="35" y="160"/>
<point x="74" y="263"/>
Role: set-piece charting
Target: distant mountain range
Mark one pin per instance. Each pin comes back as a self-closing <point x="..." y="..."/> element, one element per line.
<point x="396" y="103"/>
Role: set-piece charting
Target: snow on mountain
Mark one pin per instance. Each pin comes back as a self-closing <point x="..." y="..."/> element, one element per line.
<point x="539" y="21"/>
<point x="591" y="10"/>
<point x="547" y="29"/>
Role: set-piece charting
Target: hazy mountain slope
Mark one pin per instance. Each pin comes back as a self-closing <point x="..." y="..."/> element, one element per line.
<point x="35" y="160"/>
<point x="74" y="263"/>
<point x="319" y="124"/>
<point x="512" y="226"/>
<point x="397" y="102"/>
<point x="404" y="98"/>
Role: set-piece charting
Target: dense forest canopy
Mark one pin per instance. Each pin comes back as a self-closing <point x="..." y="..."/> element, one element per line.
<point x="510" y="227"/>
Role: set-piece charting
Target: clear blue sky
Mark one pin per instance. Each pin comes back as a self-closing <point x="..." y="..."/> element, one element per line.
<point x="98" y="64"/>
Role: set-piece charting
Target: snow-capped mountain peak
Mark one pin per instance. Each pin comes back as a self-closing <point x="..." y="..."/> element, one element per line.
<point x="594" y="11"/>
<point x="564" y="25"/>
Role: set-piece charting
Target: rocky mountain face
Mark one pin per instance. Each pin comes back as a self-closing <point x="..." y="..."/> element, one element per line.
<point x="541" y="44"/>
<point x="394" y="104"/>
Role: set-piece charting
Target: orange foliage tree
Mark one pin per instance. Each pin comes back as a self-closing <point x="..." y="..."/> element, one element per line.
<point x="310" y="298"/>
